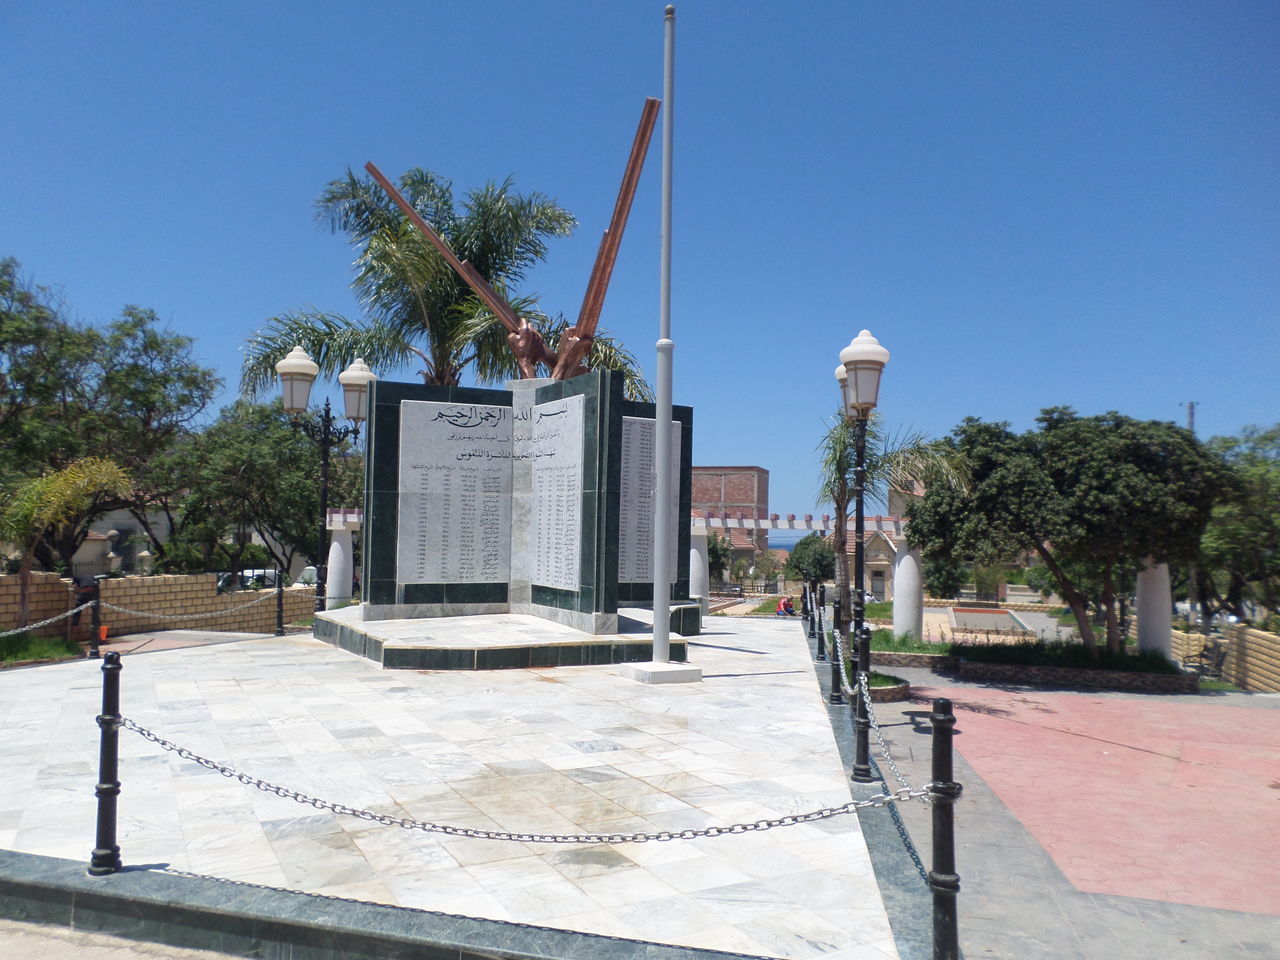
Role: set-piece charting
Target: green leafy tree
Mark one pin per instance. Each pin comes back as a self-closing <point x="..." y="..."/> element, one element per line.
<point x="63" y="497"/>
<point x="417" y="310"/>
<point x="1241" y="546"/>
<point x="127" y="390"/>
<point x="811" y="559"/>
<point x="943" y="576"/>
<point x="252" y="472"/>
<point x="1091" y="494"/>
<point x="719" y="555"/>
<point x="767" y="567"/>
<point x="1041" y="580"/>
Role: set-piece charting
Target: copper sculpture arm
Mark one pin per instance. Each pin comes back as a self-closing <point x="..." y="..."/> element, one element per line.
<point x="576" y="341"/>
<point x="525" y="341"/>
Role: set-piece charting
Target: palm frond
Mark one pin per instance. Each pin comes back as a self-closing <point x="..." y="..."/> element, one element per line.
<point x="332" y="341"/>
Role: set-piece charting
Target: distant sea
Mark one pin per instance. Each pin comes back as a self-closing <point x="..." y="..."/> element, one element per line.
<point x="785" y="539"/>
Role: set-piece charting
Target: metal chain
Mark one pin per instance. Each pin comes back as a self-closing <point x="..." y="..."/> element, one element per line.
<point x="45" y="623"/>
<point x="408" y="823"/>
<point x="865" y="687"/>
<point x="875" y="728"/>
<point x="188" y="616"/>
<point x="908" y="843"/>
<point x="845" y="682"/>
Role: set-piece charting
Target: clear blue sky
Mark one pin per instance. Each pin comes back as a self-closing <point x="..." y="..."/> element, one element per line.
<point x="1028" y="203"/>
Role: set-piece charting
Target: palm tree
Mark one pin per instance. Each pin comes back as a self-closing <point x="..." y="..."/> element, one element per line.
<point x="898" y="463"/>
<point x="38" y="505"/>
<point x="416" y="308"/>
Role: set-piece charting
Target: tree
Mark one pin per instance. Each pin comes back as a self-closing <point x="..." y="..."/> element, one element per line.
<point x="57" y="498"/>
<point x="719" y="556"/>
<point x="899" y="464"/>
<point x="943" y="576"/>
<point x="252" y="473"/>
<point x="767" y="567"/>
<point x="1091" y="496"/>
<point x="1241" y="546"/>
<point x="127" y="391"/>
<point x="811" y="559"/>
<point x="416" y="308"/>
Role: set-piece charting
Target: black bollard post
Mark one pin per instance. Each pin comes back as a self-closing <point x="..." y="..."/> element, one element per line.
<point x="813" y="618"/>
<point x="943" y="879"/>
<point x="821" y="656"/>
<point x="95" y="618"/>
<point x="106" y="854"/>
<point x="837" y="692"/>
<point x="279" y="602"/>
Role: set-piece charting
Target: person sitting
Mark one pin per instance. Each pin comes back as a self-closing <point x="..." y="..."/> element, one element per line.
<point x="784" y="608"/>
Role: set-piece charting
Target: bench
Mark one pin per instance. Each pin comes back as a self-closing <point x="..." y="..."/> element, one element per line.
<point x="1208" y="661"/>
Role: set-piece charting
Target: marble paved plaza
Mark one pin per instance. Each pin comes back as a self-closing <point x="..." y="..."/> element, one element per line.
<point x="555" y="750"/>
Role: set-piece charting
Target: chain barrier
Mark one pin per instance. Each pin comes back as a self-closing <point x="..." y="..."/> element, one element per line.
<point x="45" y="623"/>
<point x="408" y="823"/>
<point x="189" y="616"/>
<point x="864" y="687"/>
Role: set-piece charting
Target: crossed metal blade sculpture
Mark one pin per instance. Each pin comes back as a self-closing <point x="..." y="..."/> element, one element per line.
<point x="525" y="341"/>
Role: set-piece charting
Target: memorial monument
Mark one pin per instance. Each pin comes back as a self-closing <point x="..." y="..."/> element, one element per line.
<point x="537" y="499"/>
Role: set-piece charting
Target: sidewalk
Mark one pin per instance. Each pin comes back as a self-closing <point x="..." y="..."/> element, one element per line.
<point x="565" y="750"/>
<point x="1103" y="826"/>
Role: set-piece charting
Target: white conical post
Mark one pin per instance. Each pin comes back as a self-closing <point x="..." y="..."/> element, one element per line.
<point x="908" y="594"/>
<point x="337" y="587"/>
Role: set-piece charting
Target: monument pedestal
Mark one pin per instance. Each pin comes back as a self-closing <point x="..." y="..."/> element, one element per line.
<point x="654" y="672"/>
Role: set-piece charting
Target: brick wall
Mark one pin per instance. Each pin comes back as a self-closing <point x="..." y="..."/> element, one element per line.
<point x="733" y="490"/>
<point x="168" y="595"/>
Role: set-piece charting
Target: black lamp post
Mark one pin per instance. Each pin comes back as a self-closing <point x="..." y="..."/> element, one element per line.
<point x="861" y="364"/>
<point x="297" y="372"/>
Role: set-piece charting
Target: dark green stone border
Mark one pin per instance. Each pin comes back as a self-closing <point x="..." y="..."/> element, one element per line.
<point x="247" y="920"/>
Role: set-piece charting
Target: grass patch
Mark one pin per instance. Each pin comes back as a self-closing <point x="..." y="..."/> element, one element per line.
<point x="878" y="610"/>
<point x="23" y="646"/>
<point x="1041" y="653"/>
<point x="883" y="680"/>
<point x="884" y="640"/>
<point x="1223" y="686"/>
<point x="767" y="606"/>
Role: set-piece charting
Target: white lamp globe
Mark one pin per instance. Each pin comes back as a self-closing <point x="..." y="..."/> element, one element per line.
<point x="297" y="372"/>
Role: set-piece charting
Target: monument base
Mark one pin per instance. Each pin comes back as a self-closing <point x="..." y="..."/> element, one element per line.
<point x="654" y="672"/>
<point x="495" y="642"/>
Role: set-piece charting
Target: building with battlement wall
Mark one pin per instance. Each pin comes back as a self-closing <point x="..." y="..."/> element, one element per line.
<point x="730" y="492"/>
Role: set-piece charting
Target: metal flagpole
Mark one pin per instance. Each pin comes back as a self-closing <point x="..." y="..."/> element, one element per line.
<point x="662" y="431"/>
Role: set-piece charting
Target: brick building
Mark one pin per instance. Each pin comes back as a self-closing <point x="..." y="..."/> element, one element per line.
<point x="728" y="492"/>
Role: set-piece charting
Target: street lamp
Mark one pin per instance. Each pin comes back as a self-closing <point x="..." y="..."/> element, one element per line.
<point x="297" y="373"/>
<point x="861" y="364"/>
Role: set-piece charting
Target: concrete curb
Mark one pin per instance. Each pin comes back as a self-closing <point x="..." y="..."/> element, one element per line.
<point x="245" y="920"/>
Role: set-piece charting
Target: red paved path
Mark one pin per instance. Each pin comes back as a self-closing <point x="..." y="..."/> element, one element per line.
<point x="1161" y="799"/>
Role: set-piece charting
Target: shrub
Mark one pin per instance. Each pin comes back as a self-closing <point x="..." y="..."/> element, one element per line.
<point x="1041" y="653"/>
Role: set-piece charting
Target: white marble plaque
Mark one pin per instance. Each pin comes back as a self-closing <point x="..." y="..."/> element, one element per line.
<point x="555" y="454"/>
<point x="454" y="493"/>
<point x="639" y="490"/>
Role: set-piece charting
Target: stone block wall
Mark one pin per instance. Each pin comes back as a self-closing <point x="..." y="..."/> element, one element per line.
<point x="155" y="600"/>
<point x="50" y="595"/>
<point x="1253" y="656"/>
